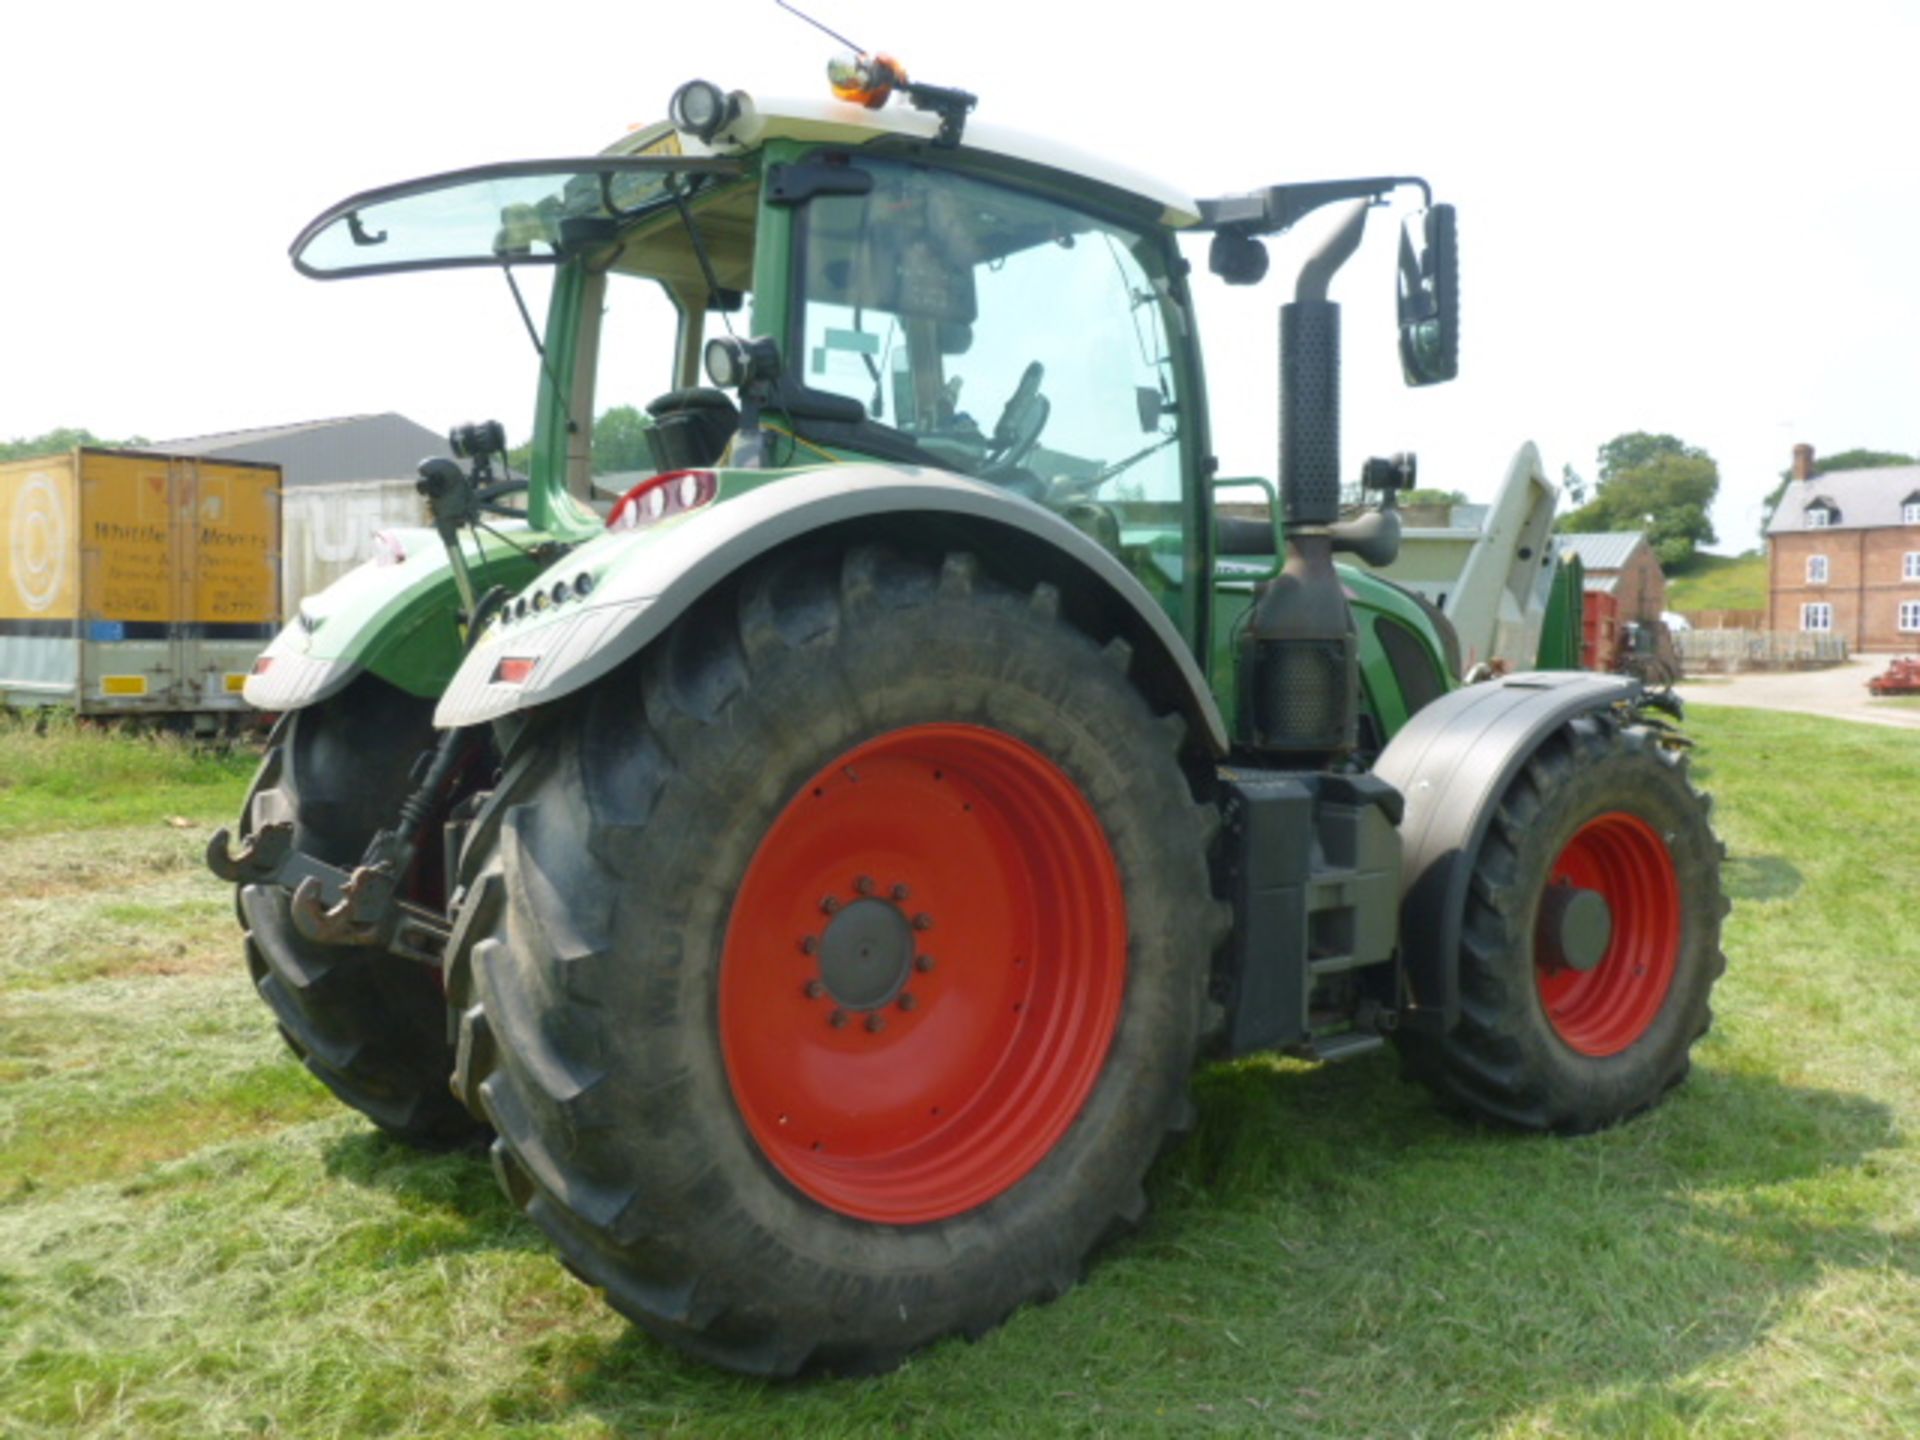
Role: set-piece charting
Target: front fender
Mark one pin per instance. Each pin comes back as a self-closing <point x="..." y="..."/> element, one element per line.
<point x="400" y="621"/>
<point x="646" y="579"/>
<point x="1452" y="762"/>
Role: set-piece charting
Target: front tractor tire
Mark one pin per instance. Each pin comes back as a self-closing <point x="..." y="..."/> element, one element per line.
<point x="834" y="975"/>
<point x="370" y="1026"/>
<point x="1591" y="938"/>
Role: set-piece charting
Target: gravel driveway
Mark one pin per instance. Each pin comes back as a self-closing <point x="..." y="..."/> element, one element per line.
<point x="1840" y="691"/>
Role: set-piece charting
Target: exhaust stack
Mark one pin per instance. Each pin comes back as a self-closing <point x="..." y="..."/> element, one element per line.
<point x="1298" y="659"/>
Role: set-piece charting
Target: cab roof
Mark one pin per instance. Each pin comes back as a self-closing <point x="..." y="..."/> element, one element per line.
<point x="836" y="121"/>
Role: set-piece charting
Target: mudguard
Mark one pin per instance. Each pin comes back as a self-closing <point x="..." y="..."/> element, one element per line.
<point x="638" y="582"/>
<point x="1452" y="762"/>
<point x="399" y="620"/>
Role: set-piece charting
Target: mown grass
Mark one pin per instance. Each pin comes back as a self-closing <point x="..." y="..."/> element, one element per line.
<point x="1720" y="582"/>
<point x="194" y="1240"/>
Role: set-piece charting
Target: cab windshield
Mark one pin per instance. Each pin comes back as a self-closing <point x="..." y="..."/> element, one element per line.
<point x="1004" y="335"/>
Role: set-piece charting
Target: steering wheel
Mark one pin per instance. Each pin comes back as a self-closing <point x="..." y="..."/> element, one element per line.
<point x="1025" y="416"/>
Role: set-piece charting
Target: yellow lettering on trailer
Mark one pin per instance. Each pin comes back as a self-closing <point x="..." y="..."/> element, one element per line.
<point x="234" y="519"/>
<point x="126" y="538"/>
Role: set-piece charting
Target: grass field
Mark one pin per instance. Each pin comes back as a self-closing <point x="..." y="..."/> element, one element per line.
<point x="1720" y="582"/>
<point x="195" y="1240"/>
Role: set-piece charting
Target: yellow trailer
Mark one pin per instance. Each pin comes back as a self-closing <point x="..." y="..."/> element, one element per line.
<point x="133" y="583"/>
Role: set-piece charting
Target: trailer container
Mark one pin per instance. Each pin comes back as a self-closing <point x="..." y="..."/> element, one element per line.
<point x="136" y="583"/>
<point x="328" y="529"/>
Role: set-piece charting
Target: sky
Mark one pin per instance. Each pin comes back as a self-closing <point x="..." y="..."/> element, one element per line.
<point x="1691" y="218"/>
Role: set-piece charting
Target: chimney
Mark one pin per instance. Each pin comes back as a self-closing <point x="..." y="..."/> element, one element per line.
<point x="1803" y="462"/>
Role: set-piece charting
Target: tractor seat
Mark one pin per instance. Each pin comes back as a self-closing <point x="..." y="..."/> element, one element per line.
<point x="691" y="428"/>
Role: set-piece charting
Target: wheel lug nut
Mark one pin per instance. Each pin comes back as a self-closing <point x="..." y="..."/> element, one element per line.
<point x="815" y="989"/>
<point x="923" y="963"/>
<point x="829" y="904"/>
<point x="901" y="892"/>
<point x="876" y="1023"/>
<point x="838" y="1019"/>
<point x="923" y="921"/>
<point x="908" y="1001"/>
<point x="810" y="944"/>
<point x="863" y="884"/>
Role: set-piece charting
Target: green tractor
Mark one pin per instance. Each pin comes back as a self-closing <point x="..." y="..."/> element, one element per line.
<point x="818" y="878"/>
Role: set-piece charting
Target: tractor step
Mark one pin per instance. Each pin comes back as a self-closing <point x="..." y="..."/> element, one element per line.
<point x="1313" y="867"/>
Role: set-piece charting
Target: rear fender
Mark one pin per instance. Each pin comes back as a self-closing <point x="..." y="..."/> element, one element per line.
<point x="641" y="581"/>
<point x="1452" y="762"/>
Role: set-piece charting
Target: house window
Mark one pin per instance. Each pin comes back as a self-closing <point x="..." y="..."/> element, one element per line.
<point x="1910" y="513"/>
<point x="1910" y="565"/>
<point x="1816" y="569"/>
<point x="1816" y="616"/>
<point x="1818" y="517"/>
<point x="1910" y="616"/>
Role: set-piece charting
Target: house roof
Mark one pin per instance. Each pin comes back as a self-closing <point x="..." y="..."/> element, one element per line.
<point x="324" y="452"/>
<point x="1866" y="499"/>
<point x="1606" y="550"/>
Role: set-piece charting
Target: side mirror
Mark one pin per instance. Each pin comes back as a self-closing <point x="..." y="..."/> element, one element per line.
<point x="1429" y="297"/>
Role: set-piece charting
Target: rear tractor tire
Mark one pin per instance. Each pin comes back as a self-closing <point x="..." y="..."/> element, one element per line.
<point x="835" y="976"/>
<point x="1591" y="938"/>
<point x="370" y="1026"/>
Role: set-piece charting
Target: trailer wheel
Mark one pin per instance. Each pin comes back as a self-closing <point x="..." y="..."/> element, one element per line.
<point x="1591" y="939"/>
<point x="370" y="1026"/>
<point x="836" y="978"/>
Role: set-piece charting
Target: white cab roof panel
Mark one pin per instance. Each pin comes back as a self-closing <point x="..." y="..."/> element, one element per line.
<point x="820" y="119"/>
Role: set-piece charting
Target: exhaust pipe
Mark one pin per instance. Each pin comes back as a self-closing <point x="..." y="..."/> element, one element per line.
<point x="1298" y="661"/>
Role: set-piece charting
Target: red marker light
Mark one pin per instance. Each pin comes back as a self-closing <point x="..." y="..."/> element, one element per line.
<point x="514" y="669"/>
<point x="662" y="496"/>
<point x="263" y="664"/>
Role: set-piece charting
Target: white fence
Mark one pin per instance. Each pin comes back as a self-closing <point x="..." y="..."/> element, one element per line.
<point x="1723" y="652"/>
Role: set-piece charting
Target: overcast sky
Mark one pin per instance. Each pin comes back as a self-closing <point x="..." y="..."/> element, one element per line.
<point x="1697" y="219"/>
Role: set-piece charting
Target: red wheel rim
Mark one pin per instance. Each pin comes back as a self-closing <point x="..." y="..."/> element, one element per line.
<point x="922" y="973"/>
<point x="1602" y="1011"/>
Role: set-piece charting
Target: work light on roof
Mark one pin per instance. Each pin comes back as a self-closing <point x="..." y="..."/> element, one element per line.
<point x="701" y="108"/>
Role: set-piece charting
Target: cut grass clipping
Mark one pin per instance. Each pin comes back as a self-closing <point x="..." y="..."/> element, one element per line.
<point x="195" y="1240"/>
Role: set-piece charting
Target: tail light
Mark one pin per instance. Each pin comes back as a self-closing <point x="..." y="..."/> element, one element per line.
<point x="662" y="497"/>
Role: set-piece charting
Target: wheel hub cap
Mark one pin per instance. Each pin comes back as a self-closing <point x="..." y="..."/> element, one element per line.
<point x="1575" y="928"/>
<point x="866" y="955"/>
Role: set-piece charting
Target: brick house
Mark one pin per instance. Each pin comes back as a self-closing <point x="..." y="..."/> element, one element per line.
<point x="1843" y="555"/>
<point x="1622" y="564"/>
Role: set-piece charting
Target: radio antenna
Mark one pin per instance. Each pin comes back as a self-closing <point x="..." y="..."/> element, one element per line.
<point x="826" y="30"/>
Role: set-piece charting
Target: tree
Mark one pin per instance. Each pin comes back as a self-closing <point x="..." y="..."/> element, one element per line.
<point x="1425" y="496"/>
<point x="619" y="444"/>
<point x="1574" y="483"/>
<point x="55" y="441"/>
<point x="1845" y="460"/>
<point x="620" y="441"/>
<point x="1637" y="448"/>
<point x="1655" y="483"/>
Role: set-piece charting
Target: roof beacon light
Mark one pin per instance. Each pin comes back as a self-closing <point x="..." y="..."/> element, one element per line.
<point x="868" y="80"/>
